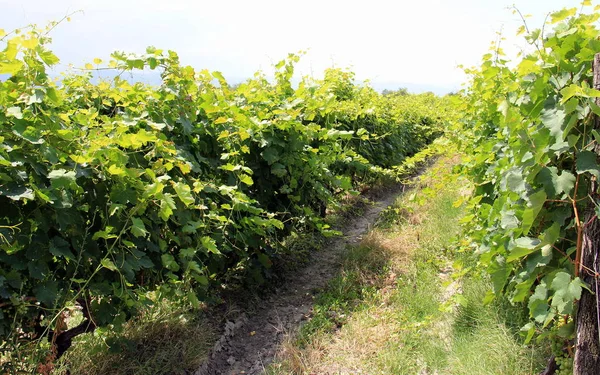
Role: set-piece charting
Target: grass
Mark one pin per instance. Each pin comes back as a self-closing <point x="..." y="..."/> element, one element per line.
<point x="167" y="338"/>
<point x="394" y="307"/>
<point x="478" y="326"/>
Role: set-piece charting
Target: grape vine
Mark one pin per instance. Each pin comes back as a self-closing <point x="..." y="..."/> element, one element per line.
<point x="115" y="194"/>
<point x="532" y="144"/>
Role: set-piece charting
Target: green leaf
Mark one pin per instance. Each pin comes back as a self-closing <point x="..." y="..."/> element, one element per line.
<point x="30" y="133"/>
<point x="513" y="180"/>
<point x="153" y="190"/>
<point x="565" y="182"/>
<point x="61" y="248"/>
<point x="523" y="246"/>
<point x="244" y="178"/>
<point x="596" y="134"/>
<point x="499" y="271"/>
<point x="107" y="263"/>
<point x="188" y="252"/>
<point x="561" y="281"/>
<point x="264" y="260"/>
<point x="37" y="97"/>
<point x="538" y="303"/>
<point x="61" y="178"/>
<point x="184" y="192"/>
<point x="219" y="76"/>
<point x="138" y="229"/>
<point x="555" y="184"/>
<point x="270" y="155"/>
<point x="587" y="162"/>
<point x="201" y="279"/>
<point x="566" y="331"/>
<point x="509" y="220"/>
<point x="167" y="205"/>
<point x="278" y="170"/>
<point x="554" y="119"/>
<point x="47" y="56"/>
<point x="47" y="293"/>
<point x="193" y="299"/>
<point x="116" y="171"/>
<point x="530" y="329"/>
<point x="14" y="112"/>
<point x="10" y="67"/>
<point x="38" y="269"/>
<point x="169" y="262"/>
<point x="566" y="292"/>
<point x="551" y="235"/>
<point x="569" y="92"/>
<point x="104" y="234"/>
<point x="17" y="192"/>
<point x="562" y="15"/>
<point x="210" y="245"/>
<point x="536" y="202"/>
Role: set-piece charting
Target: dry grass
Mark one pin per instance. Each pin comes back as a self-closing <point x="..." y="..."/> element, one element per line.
<point x="164" y="339"/>
<point x="350" y="349"/>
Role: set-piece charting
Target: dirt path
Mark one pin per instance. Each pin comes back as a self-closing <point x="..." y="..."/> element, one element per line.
<point x="249" y="344"/>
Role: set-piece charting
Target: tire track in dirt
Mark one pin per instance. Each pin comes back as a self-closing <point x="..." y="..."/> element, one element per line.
<point x="249" y="344"/>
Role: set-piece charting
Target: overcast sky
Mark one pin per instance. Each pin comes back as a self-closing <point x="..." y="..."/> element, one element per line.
<point x="392" y="43"/>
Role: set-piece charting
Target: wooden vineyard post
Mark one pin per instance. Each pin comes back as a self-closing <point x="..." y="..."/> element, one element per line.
<point x="587" y="342"/>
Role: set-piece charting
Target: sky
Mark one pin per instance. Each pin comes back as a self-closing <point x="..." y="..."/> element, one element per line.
<point x="414" y="44"/>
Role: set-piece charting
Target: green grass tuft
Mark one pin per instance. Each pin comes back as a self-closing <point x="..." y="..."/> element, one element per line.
<point x="167" y="338"/>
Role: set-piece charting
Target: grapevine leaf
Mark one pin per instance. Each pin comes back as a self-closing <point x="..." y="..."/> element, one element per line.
<point x="61" y="178"/>
<point x="513" y="181"/>
<point x="193" y="298"/>
<point x="16" y="192"/>
<point x="47" y="293"/>
<point x="14" y="112"/>
<point x="551" y="235"/>
<point x="523" y="246"/>
<point x="210" y="245"/>
<point x="244" y="178"/>
<point x="566" y="292"/>
<point x="538" y="303"/>
<point x="553" y="119"/>
<point x="10" y="67"/>
<point x="38" y="269"/>
<point x="565" y="182"/>
<point x="530" y="329"/>
<point x="138" y="229"/>
<point x="563" y="14"/>
<point x="167" y="205"/>
<point x="536" y="201"/>
<point x="499" y="271"/>
<point x="154" y="189"/>
<point x="184" y="192"/>
<point x="278" y="170"/>
<point x="188" y="252"/>
<point x="270" y="155"/>
<point x="47" y="56"/>
<point x="61" y="248"/>
<point x="107" y="263"/>
<point x="169" y="262"/>
<point x="586" y="162"/>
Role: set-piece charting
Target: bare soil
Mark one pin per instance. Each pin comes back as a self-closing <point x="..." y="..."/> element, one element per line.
<point x="249" y="342"/>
